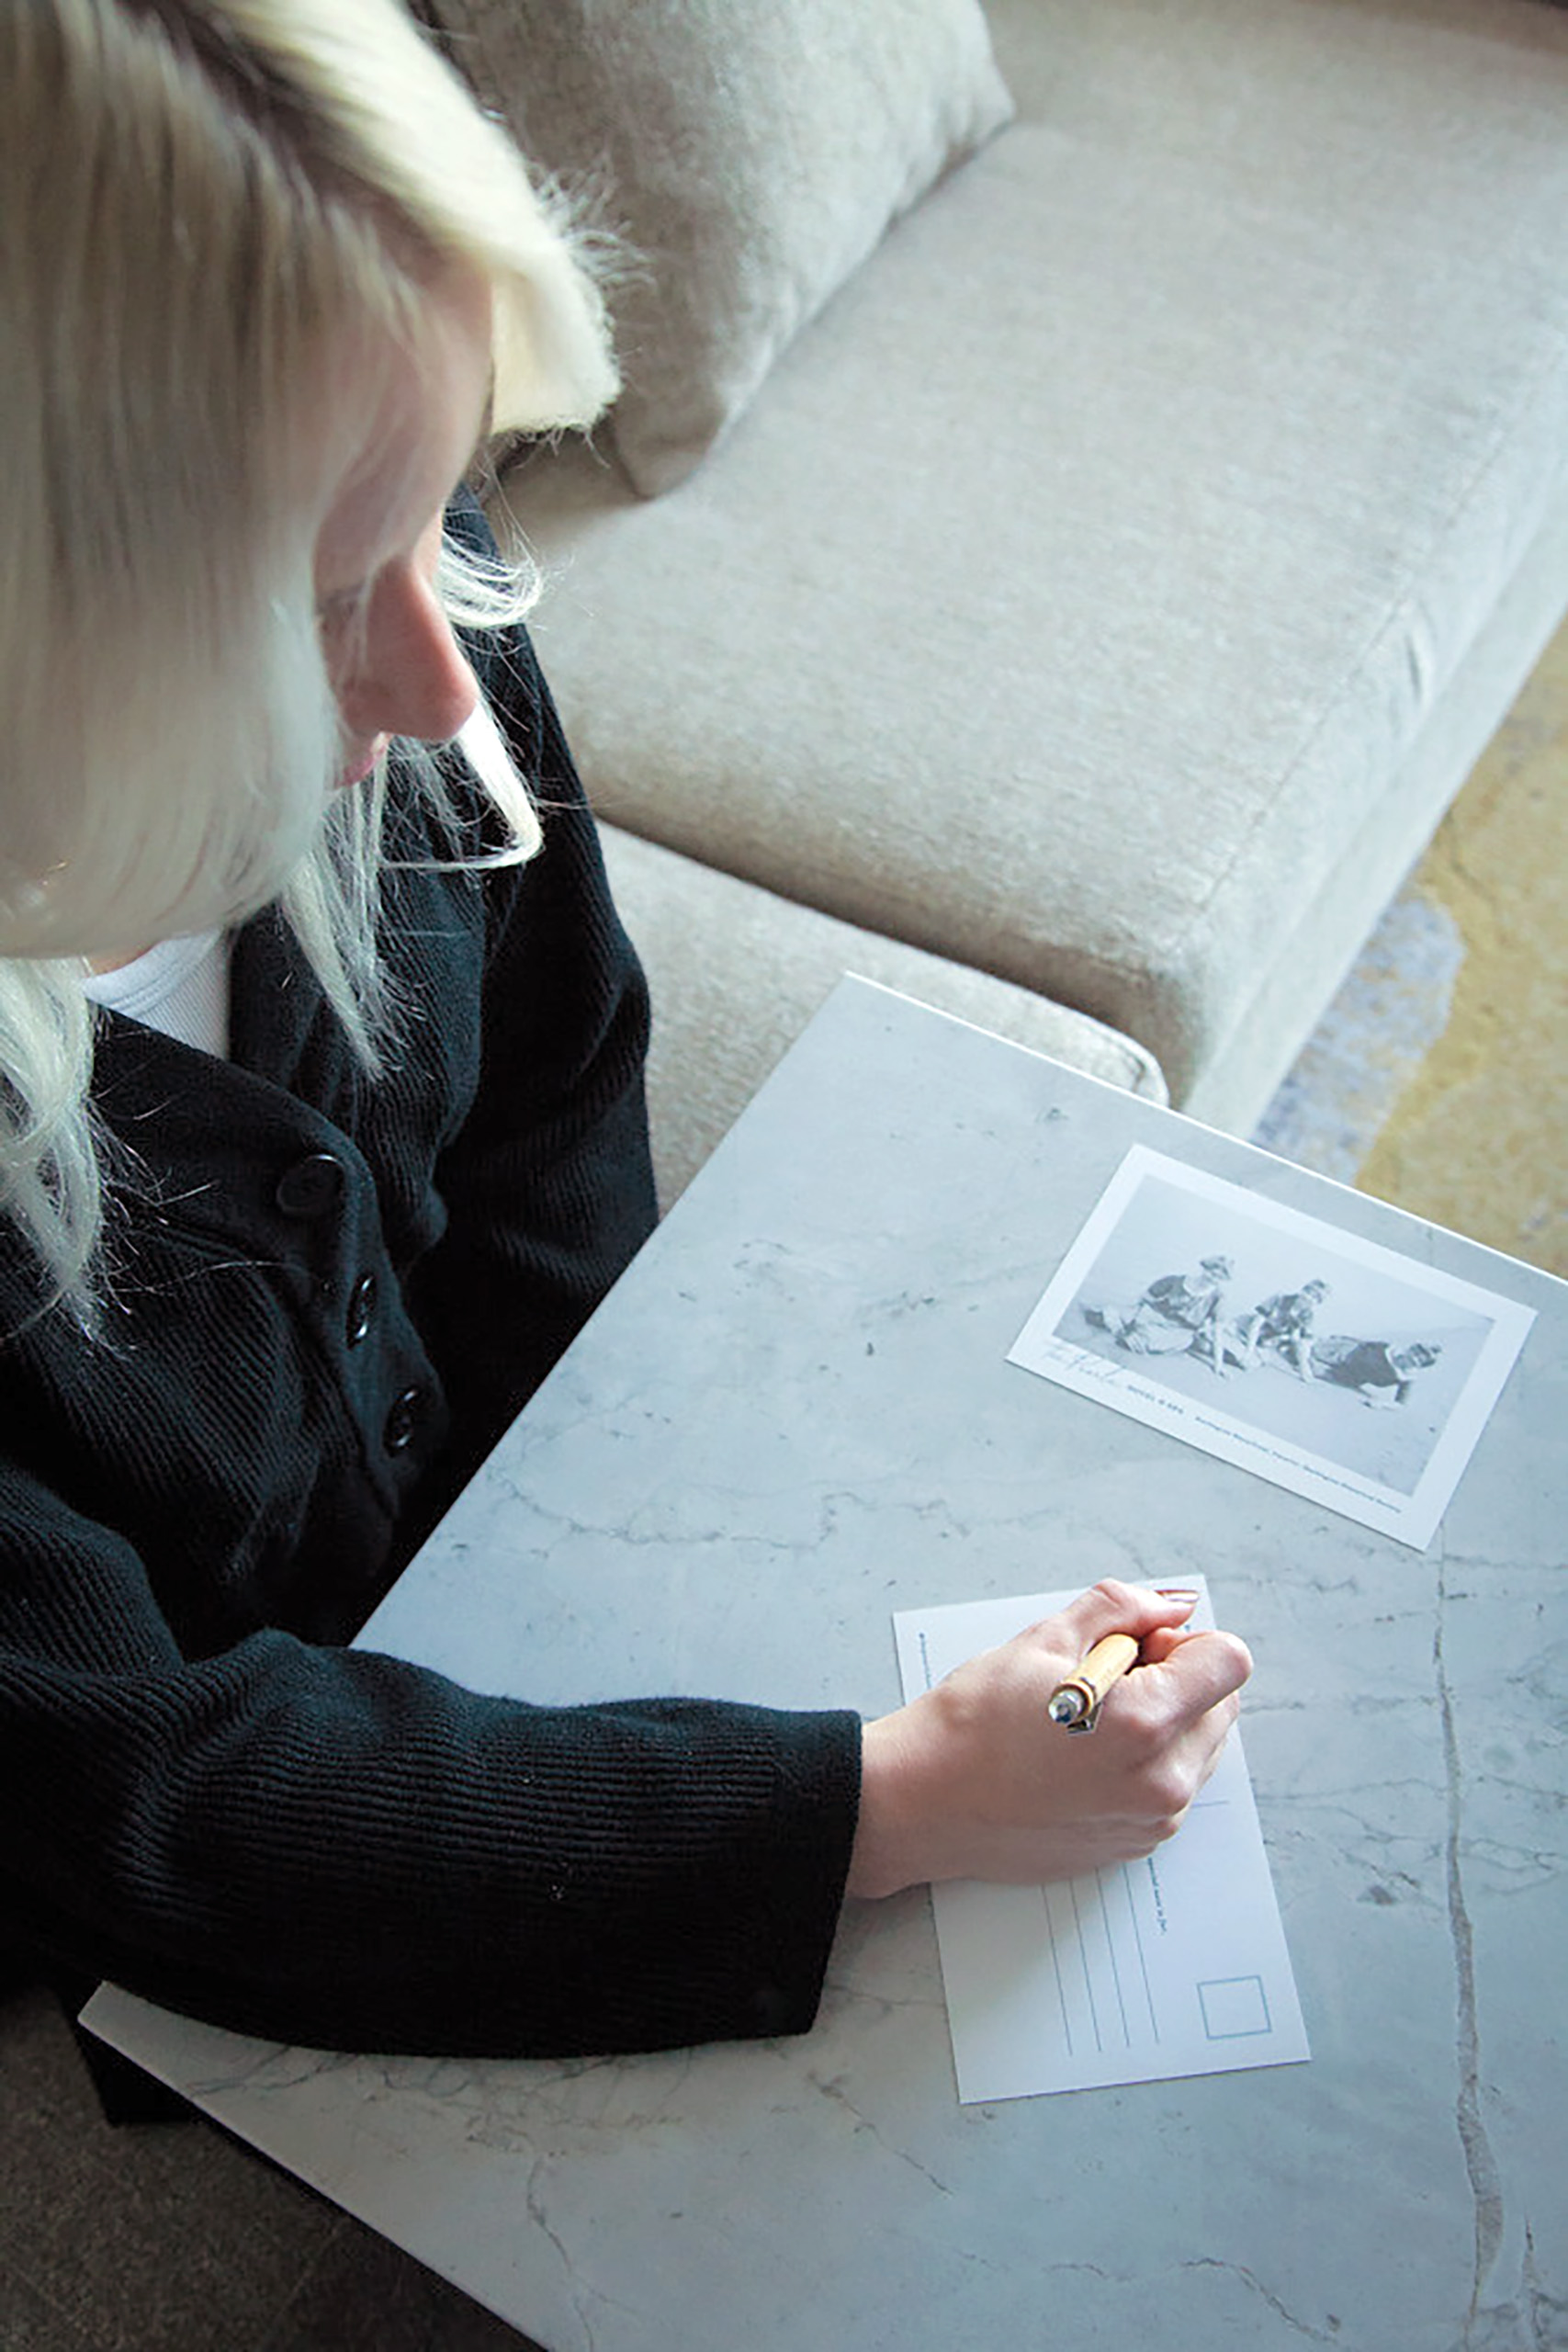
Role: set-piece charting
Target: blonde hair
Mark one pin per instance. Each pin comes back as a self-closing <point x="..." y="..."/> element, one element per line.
<point x="201" y="202"/>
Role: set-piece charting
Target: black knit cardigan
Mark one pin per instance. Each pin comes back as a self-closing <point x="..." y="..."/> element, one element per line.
<point x="331" y="1297"/>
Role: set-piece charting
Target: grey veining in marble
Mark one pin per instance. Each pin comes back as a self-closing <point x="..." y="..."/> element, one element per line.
<point x="795" y="1414"/>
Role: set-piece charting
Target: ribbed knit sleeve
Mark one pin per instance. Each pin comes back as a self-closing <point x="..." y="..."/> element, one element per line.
<point x="319" y="1846"/>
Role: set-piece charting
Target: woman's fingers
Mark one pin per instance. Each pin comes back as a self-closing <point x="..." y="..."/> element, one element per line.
<point x="1180" y="1705"/>
<point x="1190" y="1673"/>
<point x="1112" y="1607"/>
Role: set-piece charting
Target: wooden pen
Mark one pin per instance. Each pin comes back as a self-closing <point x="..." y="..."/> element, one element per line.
<point x="1075" y="1702"/>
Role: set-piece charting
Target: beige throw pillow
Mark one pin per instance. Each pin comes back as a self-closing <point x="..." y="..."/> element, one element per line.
<point x="752" y="154"/>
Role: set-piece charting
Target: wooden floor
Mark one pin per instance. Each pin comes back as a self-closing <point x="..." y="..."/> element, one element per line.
<point x="170" y="2237"/>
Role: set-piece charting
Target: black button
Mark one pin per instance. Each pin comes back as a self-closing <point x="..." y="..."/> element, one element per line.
<point x="401" y="1421"/>
<point x="312" y="1187"/>
<point x="361" y="1307"/>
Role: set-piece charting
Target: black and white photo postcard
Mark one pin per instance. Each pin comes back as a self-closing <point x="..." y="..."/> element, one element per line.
<point x="1333" y="1366"/>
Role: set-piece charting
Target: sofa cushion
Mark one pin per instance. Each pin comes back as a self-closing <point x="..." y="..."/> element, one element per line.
<point x="1083" y="593"/>
<point x="736" y="973"/>
<point x="751" y="157"/>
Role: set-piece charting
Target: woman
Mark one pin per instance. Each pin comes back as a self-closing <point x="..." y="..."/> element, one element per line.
<point x="1380" y="1373"/>
<point x="1282" y="1323"/>
<point x="1177" y="1314"/>
<point x="324" y="1124"/>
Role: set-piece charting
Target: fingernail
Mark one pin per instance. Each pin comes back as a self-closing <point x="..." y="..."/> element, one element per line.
<point x="1177" y="1592"/>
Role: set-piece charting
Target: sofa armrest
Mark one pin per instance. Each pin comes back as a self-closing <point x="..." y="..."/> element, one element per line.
<point x="736" y="974"/>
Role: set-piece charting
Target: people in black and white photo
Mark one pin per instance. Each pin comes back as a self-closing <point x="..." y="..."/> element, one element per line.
<point x="1280" y="1324"/>
<point x="1176" y="1313"/>
<point x="1380" y="1373"/>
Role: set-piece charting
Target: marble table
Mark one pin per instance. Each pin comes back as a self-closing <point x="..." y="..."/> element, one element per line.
<point x="795" y="1414"/>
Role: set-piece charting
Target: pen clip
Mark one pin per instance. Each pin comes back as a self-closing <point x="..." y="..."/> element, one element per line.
<point x="1076" y="1703"/>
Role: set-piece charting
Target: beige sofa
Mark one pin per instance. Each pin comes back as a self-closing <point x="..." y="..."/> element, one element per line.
<point x="1102" y="499"/>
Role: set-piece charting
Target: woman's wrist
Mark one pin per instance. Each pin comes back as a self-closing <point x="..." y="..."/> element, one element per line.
<point x="875" y="1868"/>
<point x="897" y="1832"/>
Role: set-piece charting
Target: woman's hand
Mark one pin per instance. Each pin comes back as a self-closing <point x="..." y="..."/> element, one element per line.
<point x="972" y="1780"/>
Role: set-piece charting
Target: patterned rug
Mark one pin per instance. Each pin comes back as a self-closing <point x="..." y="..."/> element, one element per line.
<point x="1436" y="1078"/>
<point x="1370" y="1044"/>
